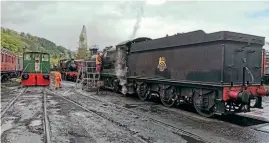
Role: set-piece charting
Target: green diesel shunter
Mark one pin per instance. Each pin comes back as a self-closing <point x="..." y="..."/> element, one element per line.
<point x="36" y="69"/>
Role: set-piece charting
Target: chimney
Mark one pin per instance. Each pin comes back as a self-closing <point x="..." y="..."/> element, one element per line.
<point x="93" y="51"/>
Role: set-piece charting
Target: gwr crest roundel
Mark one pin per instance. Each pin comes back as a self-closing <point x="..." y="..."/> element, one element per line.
<point x="162" y="64"/>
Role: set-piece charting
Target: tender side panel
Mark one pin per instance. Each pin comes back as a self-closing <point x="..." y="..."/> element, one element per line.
<point x="197" y="56"/>
<point x="201" y="62"/>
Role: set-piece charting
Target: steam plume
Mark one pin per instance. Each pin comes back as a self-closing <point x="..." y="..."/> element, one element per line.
<point x="139" y="16"/>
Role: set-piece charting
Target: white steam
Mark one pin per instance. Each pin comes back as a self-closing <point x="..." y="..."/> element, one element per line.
<point x="139" y="16"/>
<point x="121" y="71"/>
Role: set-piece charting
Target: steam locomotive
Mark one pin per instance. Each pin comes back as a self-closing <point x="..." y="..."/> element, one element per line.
<point x="219" y="73"/>
<point x="69" y="68"/>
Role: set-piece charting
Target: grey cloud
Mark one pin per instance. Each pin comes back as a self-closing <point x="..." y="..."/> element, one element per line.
<point x="18" y="12"/>
<point x="62" y="22"/>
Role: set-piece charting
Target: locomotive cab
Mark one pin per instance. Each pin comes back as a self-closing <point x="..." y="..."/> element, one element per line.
<point x="109" y="59"/>
<point x="36" y="69"/>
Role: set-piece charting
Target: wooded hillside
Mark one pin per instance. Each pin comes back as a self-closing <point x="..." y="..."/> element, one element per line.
<point x="15" y="41"/>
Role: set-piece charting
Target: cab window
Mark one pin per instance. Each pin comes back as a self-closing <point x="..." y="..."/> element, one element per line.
<point x="45" y="57"/>
<point x="27" y="57"/>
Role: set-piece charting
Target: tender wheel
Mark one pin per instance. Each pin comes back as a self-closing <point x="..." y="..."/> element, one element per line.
<point x="142" y="91"/>
<point x="168" y="97"/>
<point x="201" y="105"/>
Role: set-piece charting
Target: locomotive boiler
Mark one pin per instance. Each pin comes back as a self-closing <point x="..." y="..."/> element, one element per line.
<point x="219" y="73"/>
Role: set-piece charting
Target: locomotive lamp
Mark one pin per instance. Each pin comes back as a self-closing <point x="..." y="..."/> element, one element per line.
<point x="46" y="76"/>
<point x="25" y="76"/>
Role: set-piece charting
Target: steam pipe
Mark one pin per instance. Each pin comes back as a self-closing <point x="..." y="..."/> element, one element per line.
<point x="249" y="72"/>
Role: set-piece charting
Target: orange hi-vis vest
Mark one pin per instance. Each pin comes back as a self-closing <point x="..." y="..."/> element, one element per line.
<point x="57" y="76"/>
<point x="98" y="60"/>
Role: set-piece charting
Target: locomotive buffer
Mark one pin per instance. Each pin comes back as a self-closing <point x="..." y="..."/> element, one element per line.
<point x="89" y="77"/>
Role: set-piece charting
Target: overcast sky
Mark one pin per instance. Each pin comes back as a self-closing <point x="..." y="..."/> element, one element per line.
<point x="109" y="23"/>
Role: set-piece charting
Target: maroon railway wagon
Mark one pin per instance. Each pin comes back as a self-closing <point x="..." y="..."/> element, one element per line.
<point x="11" y="64"/>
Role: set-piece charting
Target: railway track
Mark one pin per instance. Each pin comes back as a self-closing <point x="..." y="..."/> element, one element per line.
<point x="13" y="100"/>
<point x="44" y="108"/>
<point x="46" y="121"/>
<point x="92" y="111"/>
<point x="177" y="130"/>
<point x="173" y="128"/>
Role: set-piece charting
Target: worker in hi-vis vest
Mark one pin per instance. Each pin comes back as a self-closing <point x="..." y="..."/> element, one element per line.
<point x="58" y="79"/>
<point x="98" y="62"/>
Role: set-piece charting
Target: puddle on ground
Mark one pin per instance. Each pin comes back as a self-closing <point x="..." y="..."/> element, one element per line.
<point x="35" y="123"/>
<point x="188" y="138"/>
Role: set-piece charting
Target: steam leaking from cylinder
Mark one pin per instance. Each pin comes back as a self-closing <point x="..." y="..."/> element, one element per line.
<point x="121" y="71"/>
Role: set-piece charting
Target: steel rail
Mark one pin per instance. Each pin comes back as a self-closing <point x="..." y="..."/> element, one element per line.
<point x="181" y="131"/>
<point x="46" y="121"/>
<point x="89" y="110"/>
<point x="12" y="102"/>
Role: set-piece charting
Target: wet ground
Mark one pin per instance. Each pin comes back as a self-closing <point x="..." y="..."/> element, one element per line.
<point x="77" y="116"/>
<point x="22" y="122"/>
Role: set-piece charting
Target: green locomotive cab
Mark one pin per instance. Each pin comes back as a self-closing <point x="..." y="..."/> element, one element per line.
<point x="36" y="68"/>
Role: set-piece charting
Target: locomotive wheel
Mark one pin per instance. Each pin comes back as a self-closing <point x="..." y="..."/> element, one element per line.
<point x="168" y="98"/>
<point x="200" y="108"/>
<point x="142" y="91"/>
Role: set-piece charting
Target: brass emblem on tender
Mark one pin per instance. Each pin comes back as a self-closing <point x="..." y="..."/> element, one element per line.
<point x="162" y="64"/>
